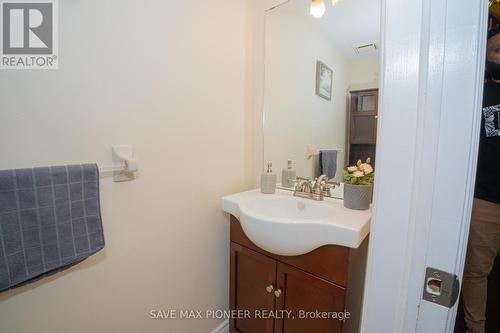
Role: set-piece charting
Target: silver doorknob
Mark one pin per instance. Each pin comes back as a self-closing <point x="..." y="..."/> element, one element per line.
<point x="270" y="288"/>
<point x="277" y="293"/>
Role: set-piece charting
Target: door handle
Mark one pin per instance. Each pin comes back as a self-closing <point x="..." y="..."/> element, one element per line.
<point x="277" y="293"/>
<point x="270" y="288"/>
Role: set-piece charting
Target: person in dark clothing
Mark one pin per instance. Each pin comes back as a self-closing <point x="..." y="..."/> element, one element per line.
<point x="484" y="235"/>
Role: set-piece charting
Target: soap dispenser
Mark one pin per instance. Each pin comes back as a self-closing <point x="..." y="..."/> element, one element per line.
<point x="268" y="180"/>
<point x="288" y="176"/>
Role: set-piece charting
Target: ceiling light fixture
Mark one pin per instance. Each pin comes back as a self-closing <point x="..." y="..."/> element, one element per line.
<point x="317" y="8"/>
<point x="334" y="2"/>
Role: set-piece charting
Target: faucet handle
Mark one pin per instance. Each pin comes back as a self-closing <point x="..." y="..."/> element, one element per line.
<point x="303" y="184"/>
<point x="326" y="189"/>
<point x="333" y="183"/>
<point x="327" y="185"/>
<point x="320" y="180"/>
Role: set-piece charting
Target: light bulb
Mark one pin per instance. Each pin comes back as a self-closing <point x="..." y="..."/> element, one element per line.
<point x="317" y="8"/>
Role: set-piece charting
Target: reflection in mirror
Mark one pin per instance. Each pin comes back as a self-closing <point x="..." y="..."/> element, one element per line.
<point x="321" y="81"/>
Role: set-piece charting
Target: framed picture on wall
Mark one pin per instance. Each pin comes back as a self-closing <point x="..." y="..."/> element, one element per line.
<point x="324" y="80"/>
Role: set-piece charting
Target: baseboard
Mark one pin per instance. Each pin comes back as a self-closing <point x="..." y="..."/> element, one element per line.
<point x="222" y="328"/>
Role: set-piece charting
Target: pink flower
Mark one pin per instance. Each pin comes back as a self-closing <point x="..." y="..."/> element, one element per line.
<point x="366" y="168"/>
<point x="352" y="168"/>
<point x="357" y="174"/>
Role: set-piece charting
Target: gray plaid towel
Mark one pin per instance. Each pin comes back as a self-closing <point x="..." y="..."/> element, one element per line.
<point x="49" y="218"/>
<point x="328" y="163"/>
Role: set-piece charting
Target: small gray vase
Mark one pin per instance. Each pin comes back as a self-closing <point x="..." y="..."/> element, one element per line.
<point x="357" y="197"/>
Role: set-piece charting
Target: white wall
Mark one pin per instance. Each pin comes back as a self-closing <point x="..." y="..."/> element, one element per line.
<point x="169" y="78"/>
<point x="363" y="74"/>
<point x="294" y="115"/>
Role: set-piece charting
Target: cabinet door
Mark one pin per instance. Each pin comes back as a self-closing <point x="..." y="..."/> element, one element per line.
<point x="363" y="117"/>
<point x="305" y="293"/>
<point x="364" y="129"/>
<point x="364" y="102"/>
<point x="251" y="273"/>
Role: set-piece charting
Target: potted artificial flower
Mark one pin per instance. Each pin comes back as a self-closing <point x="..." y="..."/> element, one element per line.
<point x="358" y="182"/>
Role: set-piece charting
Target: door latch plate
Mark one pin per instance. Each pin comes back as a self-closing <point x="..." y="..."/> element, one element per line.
<point x="441" y="287"/>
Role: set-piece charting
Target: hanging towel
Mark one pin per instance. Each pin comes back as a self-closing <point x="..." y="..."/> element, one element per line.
<point x="328" y="162"/>
<point x="49" y="219"/>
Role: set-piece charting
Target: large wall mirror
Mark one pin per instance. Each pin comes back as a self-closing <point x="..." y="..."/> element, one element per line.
<point x="321" y="85"/>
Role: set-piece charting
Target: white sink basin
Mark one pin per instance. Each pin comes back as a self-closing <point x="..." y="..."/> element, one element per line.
<point x="286" y="225"/>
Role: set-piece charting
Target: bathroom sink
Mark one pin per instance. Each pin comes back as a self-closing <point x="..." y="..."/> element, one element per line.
<point x="286" y="225"/>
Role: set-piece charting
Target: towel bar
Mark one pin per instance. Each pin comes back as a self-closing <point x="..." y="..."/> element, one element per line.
<point x="125" y="165"/>
<point x="311" y="151"/>
<point x="113" y="168"/>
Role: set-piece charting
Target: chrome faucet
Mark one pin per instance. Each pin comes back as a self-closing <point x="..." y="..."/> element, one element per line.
<point x="319" y="182"/>
<point x="314" y="189"/>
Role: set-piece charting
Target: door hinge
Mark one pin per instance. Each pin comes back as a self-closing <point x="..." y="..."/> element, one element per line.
<point x="441" y="287"/>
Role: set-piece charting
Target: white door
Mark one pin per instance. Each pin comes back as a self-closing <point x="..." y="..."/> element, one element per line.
<point x="431" y="91"/>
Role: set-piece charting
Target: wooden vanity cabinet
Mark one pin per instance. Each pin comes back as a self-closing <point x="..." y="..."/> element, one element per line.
<point x="251" y="273"/>
<point x="260" y="280"/>
<point x="307" y="293"/>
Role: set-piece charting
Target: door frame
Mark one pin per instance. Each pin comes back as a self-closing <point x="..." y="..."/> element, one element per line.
<point x="430" y="100"/>
<point x="423" y="75"/>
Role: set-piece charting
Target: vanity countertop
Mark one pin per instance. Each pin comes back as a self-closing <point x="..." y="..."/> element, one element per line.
<point x="287" y="225"/>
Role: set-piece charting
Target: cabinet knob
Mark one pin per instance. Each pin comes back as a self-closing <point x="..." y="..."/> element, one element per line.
<point x="277" y="293"/>
<point x="270" y="288"/>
